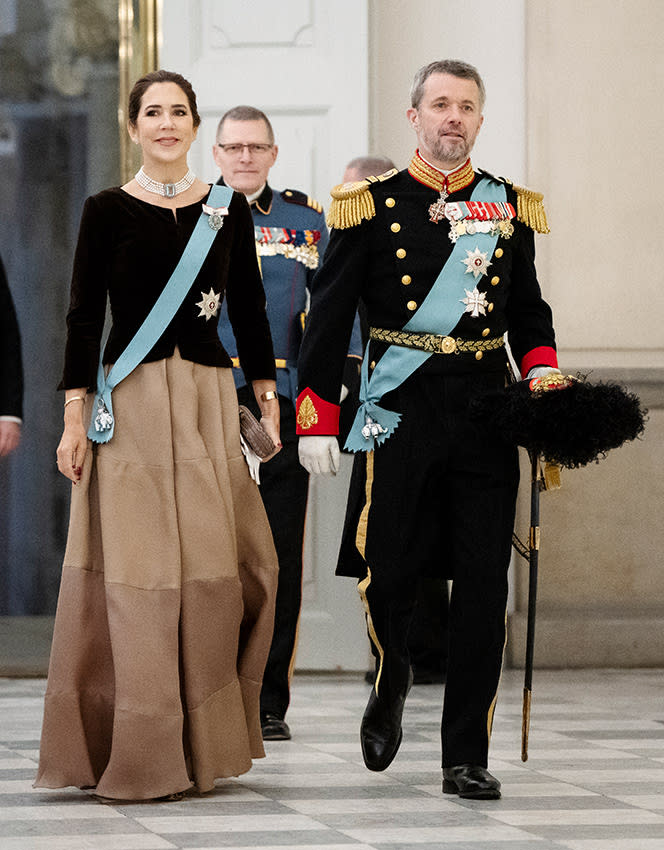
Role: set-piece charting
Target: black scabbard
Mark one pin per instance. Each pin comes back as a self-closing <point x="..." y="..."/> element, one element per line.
<point x="533" y="558"/>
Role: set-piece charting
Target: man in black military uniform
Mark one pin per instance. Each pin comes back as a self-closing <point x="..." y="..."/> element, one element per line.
<point x="427" y="635"/>
<point x="11" y="371"/>
<point x="442" y="256"/>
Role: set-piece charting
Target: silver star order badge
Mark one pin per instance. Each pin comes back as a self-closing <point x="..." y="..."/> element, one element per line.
<point x="475" y="302"/>
<point x="476" y="263"/>
<point x="209" y="305"/>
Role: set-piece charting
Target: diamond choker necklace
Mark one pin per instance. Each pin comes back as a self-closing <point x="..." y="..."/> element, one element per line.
<point x="168" y="190"/>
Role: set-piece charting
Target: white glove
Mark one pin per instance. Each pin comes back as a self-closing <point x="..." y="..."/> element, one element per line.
<point x="319" y="455"/>
<point x="253" y="461"/>
<point x="542" y="372"/>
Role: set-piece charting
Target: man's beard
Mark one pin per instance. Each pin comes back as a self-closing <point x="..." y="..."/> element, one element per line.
<point x="446" y="149"/>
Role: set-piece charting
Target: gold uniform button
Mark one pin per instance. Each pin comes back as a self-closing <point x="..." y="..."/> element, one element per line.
<point x="499" y="252"/>
<point x="490" y="307"/>
<point x="401" y="253"/>
<point x="478" y="355"/>
<point x="288" y="193"/>
<point x="486" y="332"/>
<point x="412" y="305"/>
<point x="395" y="227"/>
<point x="372" y="365"/>
<point x="406" y="279"/>
<point x="390" y="202"/>
<point x="495" y="280"/>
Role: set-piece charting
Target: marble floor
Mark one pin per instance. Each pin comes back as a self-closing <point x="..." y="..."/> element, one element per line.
<point x="594" y="779"/>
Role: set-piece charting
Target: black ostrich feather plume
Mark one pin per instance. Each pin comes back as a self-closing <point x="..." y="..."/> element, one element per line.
<point x="571" y="424"/>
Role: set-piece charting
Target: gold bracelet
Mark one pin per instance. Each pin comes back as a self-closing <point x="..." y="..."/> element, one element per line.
<point x="74" y="398"/>
<point x="268" y="395"/>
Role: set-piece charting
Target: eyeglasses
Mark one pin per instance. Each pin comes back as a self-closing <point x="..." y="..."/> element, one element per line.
<point x="235" y="149"/>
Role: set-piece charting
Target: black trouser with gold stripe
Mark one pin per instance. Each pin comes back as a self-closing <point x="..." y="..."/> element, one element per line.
<point x="439" y="496"/>
<point x="284" y="485"/>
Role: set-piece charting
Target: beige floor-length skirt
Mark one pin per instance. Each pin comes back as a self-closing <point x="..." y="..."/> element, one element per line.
<point x="166" y="604"/>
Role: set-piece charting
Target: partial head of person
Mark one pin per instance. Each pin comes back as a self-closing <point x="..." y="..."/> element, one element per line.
<point x="366" y="166"/>
<point x="244" y="149"/>
<point x="162" y="117"/>
<point x="447" y="100"/>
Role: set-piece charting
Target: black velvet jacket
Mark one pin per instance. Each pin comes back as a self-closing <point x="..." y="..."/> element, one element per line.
<point x="127" y="250"/>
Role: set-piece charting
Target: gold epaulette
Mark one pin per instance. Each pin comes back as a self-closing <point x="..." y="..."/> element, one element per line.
<point x="314" y="204"/>
<point x="353" y="202"/>
<point x="530" y="209"/>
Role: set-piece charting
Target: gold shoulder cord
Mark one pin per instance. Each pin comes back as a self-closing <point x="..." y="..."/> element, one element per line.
<point x="353" y="203"/>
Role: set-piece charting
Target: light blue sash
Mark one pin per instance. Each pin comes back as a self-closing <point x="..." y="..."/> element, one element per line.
<point x="439" y="313"/>
<point x="158" y="319"/>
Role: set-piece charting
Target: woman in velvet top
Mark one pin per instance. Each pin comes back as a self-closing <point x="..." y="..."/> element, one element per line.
<point x="166" y="602"/>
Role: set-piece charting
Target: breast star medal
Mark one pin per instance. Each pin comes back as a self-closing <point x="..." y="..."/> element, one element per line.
<point x="437" y="209"/>
<point x="475" y="302"/>
<point x="476" y="263"/>
<point x="209" y="305"/>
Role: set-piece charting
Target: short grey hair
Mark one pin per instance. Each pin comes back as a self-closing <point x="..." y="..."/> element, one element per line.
<point x="246" y="113"/>
<point x="368" y="166"/>
<point x="455" y="68"/>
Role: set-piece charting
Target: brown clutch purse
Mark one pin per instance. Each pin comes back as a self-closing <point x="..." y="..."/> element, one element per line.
<point x="254" y="435"/>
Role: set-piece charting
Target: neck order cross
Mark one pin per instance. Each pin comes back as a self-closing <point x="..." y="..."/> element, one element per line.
<point x="445" y="184"/>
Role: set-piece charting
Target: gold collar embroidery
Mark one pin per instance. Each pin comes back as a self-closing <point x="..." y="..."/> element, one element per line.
<point x="434" y="179"/>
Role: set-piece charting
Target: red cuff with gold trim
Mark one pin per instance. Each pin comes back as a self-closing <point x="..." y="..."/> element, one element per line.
<point x="315" y="416"/>
<point x="542" y="356"/>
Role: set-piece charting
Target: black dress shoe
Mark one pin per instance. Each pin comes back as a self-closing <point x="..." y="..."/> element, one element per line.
<point x="380" y="731"/>
<point x="274" y="728"/>
<point x="470" y="781"/>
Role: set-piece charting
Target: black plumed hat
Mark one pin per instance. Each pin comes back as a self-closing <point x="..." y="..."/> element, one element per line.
<point x="568" y="421"/>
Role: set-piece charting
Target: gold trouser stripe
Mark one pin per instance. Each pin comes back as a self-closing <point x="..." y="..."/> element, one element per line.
<point x="361" y="534"/>
<point x="362" y="588"/>
<point x="361" y="543"/>
<point x="492" y="707"/>
<point x="279" y="362"/>
<point x="435" y="343"/>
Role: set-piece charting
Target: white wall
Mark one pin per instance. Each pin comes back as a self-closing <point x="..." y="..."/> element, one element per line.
<point x="490" y="34"/>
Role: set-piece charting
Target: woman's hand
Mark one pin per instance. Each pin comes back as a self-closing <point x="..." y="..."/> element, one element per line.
<point x="10" y="437"/>
<point x="266" y="396"/>
<point x="74" y="440"/>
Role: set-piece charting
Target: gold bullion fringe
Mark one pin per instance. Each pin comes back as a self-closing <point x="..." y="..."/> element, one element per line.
<point x="530" y="209"/>
<point x="351" y="203"/>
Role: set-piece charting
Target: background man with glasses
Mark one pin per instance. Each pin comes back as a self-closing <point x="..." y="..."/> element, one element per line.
<point x="291" y="237"/>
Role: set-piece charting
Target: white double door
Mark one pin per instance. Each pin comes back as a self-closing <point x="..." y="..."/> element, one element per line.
<point x="304" y="63"/>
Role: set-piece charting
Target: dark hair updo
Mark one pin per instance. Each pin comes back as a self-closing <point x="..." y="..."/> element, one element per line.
<point x="142" y="85"/>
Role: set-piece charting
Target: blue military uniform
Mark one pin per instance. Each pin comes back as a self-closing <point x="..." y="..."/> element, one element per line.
<point x="291" y="237"/>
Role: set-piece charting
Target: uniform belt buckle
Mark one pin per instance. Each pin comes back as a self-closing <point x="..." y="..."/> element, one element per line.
<point x="446" y="345"/>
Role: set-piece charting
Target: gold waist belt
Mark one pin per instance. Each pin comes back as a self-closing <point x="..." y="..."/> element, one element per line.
<point x="437" y="343"/>
<point x="279" y="362"/>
